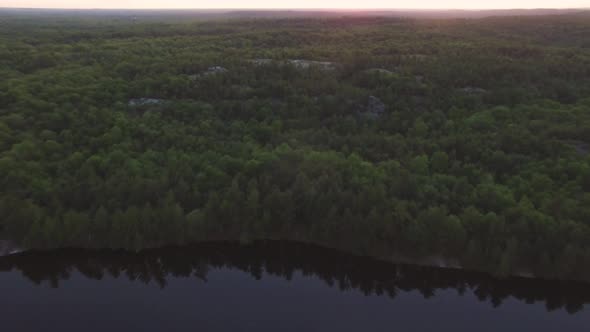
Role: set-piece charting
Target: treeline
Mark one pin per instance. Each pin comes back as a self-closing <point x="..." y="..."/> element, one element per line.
<point x="132" y="137"/>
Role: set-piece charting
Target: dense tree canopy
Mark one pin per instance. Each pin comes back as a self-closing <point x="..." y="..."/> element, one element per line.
<point x="116" y="132"/>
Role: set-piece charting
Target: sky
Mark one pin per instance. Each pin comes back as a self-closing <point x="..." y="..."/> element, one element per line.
<point x="257" y="4"/>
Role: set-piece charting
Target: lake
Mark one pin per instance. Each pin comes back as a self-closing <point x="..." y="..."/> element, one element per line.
<point x="271" y="286"/>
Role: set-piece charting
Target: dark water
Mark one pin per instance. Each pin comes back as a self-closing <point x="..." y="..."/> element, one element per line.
<point x="270" y="286"/>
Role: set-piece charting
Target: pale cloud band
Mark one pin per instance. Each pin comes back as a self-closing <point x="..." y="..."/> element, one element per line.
<point x="344" y="4"/>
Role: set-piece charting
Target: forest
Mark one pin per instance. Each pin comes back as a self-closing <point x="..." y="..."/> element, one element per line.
<point x="465" y="140"/>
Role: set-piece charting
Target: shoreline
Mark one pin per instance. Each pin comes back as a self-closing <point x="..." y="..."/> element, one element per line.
<point x="10" y="249"/>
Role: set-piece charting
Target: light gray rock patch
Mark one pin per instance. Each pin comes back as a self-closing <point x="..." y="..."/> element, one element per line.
<point x="8" y="248"/>
<point x="145" y="101"/>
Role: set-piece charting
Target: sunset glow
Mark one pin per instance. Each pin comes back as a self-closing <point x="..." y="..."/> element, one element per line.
<point x="310" y="4"/>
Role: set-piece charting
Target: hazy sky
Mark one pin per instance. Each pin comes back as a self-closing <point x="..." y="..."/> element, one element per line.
<point x="416" y="4"/>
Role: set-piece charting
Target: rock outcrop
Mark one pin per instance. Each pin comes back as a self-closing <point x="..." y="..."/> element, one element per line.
<point x="304" y="64"/>
<point x="581" y="147"/>
<point x="8" y="248"/>
<point x="473" y="90"/>
<point x="215" y="70"/>
<point x="261" y="62"/>
<point x="144" y="101"/>
<point x="381" y="71"/>
<point x="374" y="108"/>
<point x="298" y="63"/>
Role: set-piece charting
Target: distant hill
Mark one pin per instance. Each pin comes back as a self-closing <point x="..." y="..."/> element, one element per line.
<point x="286" y="13"/>
<point x="454" y="13"/>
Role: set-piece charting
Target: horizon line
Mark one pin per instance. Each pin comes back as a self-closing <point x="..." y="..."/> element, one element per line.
<point x="300" y="9"/>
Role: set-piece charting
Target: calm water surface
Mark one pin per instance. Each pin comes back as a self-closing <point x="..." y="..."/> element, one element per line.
<point x="270" y="286"/>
